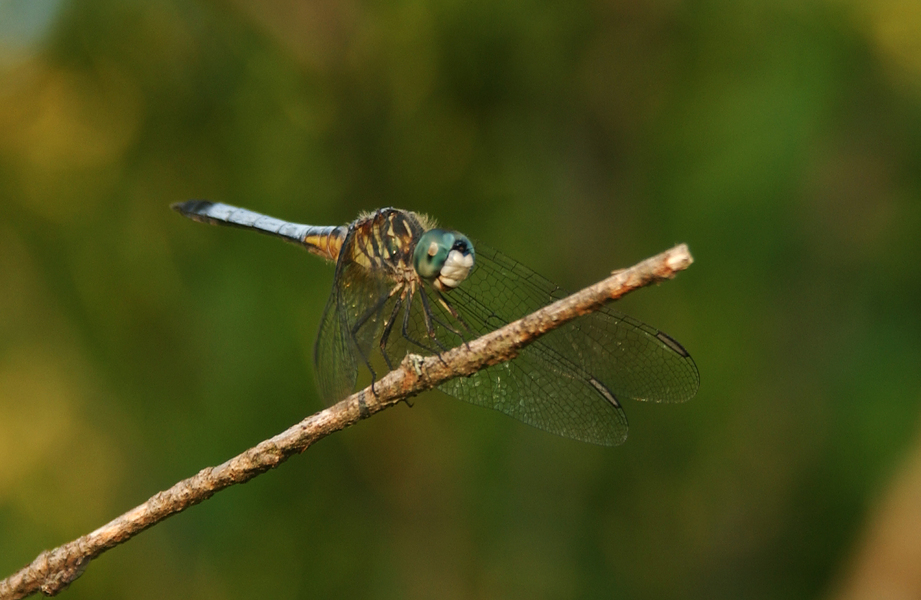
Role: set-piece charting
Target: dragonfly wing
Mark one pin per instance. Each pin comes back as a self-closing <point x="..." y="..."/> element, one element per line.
<point x="540" y="393"/>
<point x="541" y="387"/>
<point x="635" y="360"/>
<point x="336" y="368"/>
<point x="349" y="329"/>
<point x="570" y="380"/>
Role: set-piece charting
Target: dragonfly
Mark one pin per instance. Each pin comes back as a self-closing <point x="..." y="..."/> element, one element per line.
<point x="403" y="285"/>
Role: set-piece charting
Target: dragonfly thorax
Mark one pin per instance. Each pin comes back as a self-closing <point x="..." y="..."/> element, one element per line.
<point x="443" y="257"/>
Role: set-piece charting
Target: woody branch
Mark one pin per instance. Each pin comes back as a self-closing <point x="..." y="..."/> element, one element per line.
<point x="53" y="570"/>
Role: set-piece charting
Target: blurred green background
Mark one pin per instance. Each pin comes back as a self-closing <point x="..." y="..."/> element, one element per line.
<point x="781" y="140"/>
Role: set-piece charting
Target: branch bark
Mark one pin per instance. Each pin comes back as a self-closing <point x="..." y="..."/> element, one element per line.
<point x="53" y="570"/>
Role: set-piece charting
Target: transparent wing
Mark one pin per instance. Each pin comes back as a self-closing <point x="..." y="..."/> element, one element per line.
<point x="633" y="359"/>
<point x="349" y="329"/>
<point x="541" y="387"/>
<point x="568" y="382"/>
<point x="549" y="385"/>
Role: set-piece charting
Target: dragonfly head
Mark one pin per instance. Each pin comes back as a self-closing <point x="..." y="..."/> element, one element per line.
<point x="443" y="257"/>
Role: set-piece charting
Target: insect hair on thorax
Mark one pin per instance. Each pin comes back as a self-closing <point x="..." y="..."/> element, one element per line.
<point x="425" y="221"/>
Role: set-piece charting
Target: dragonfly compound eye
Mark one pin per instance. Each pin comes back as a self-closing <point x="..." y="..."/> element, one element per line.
<point x="443" y="256"/>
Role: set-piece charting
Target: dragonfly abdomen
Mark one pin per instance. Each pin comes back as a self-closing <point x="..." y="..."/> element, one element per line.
<point x="325" y="241"/>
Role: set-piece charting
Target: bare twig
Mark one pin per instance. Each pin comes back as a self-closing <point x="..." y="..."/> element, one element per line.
<point x="55" y="569"/>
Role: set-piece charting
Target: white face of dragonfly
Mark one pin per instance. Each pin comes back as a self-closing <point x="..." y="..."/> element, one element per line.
<point x="443" y="257"/>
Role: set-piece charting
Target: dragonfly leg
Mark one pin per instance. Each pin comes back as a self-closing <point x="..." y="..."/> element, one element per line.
<point x="370" y="370"/>
<point x="428" y="324"/>
<point x="427" y="314"/>
<point x="433" y="317"/>
<point x="361" y="322"/>
<point x="456" y="315"/>
<point x="387" y="329"/>
<point x="373" y="309"/>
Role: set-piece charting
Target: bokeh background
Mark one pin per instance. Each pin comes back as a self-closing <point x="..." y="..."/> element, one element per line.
<point x="780" y="139"/>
